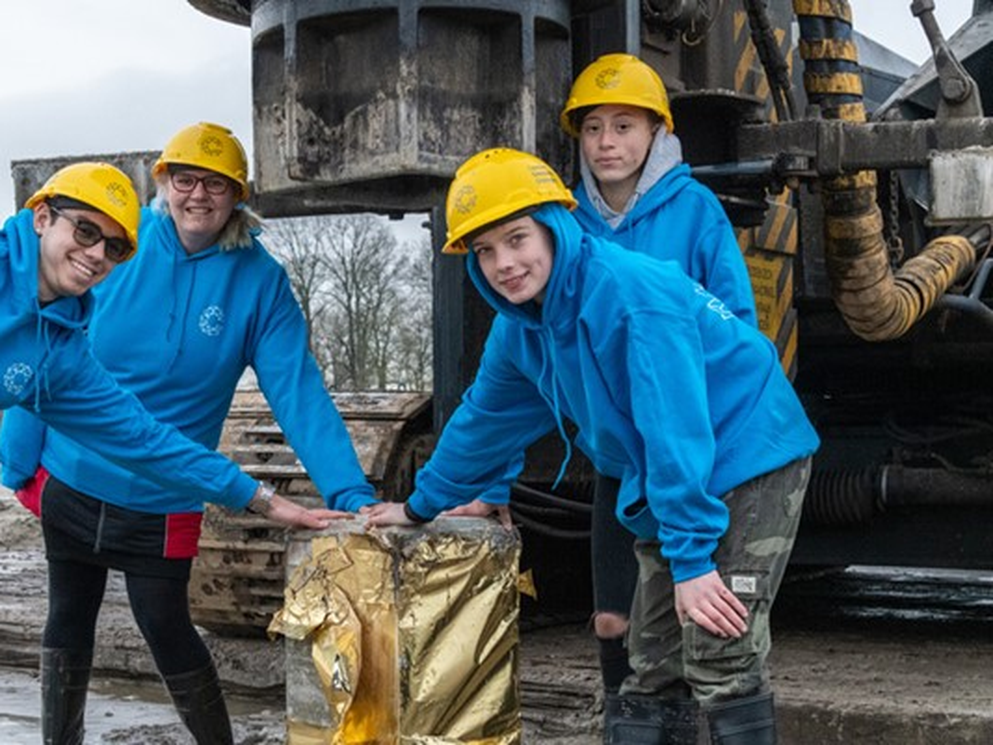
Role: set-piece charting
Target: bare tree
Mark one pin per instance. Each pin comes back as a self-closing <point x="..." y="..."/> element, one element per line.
<point x="367" y="304"/>
<point x="412" y="359"/>
<point x="295" y="242"/>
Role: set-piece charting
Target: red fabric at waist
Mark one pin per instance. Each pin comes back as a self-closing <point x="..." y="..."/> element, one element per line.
<point x="30" y="494"/>
<point x="182" y="534"/>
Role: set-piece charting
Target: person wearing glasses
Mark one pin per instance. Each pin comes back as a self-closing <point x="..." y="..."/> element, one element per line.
<point x="75" y="231"/>
<point x="177" y="326"/>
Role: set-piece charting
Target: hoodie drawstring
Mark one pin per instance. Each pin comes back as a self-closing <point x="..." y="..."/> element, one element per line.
<point x="553" y="403"/>
<point x="43" y="337"/>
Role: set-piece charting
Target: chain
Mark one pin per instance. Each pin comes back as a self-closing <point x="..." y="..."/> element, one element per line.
<point x="693" y="35"/>
<point x="892" y="230"/>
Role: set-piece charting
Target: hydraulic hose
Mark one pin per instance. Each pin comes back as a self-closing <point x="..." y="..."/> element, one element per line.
<point x="877" y="303"/>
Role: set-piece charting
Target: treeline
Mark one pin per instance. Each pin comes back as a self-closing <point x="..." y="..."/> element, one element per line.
<point x="366" y="298"/>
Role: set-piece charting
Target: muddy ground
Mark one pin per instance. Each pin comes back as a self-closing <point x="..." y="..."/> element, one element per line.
<point x="864" y="684"/>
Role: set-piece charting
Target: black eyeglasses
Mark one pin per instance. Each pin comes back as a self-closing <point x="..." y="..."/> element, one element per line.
<point x="185" y="182"/>
<point x="88" y="234"/>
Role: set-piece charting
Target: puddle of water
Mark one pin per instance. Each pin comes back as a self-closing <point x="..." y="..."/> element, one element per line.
<point x="112" y="706"/>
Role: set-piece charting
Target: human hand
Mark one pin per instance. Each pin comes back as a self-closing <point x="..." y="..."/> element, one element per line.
<point x="286" y="512"/>
<point x="479" y="508"/>
<point x="384" y="514"/>
<point x="707" y="602"/>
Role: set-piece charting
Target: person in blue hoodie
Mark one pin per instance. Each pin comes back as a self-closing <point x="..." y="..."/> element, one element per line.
<point x="673" y="395"/>
<point x="636" y="191"/>
<point x="177" y="327"/>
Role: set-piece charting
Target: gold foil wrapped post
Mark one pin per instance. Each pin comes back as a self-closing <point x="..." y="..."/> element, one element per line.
<point x="403" y="636"/>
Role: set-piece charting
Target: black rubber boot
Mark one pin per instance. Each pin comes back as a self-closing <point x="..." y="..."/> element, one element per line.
<point x="200" y="703"/>
<point x="743" y="721"/>
<point x="614" y="667"/>
<point x="65" y="674"/>
<point x="649" y="720"/>
<point x="679" y="721"/>
<point x="632" y="720"/>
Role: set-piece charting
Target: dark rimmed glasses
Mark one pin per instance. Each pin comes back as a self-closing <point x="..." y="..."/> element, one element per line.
<point x="185" y="182"/>
<point x="88" y="234"/>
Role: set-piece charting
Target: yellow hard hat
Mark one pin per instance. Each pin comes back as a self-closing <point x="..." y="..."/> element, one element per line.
<point x="495" y="184"/>
<point x="618" y="79"/>
<point x="208" y="146"/>
<point x="102" y="187"/>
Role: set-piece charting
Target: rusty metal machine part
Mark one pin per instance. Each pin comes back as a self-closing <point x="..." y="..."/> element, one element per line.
<point x="444" y="64"/>
<point x="877" y="304"/>
<point x="371" y="106"/>
<point x="238" y="578"/>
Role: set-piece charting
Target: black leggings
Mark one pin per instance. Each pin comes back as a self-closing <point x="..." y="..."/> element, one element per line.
<point x="615" y="567"/>
<point x="160" y="607"/>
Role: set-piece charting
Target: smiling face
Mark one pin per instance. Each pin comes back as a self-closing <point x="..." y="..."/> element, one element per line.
<point x="615" y="142"/>
<point x="200" y="215"/>
<point x="516" y="259"/>
<point x="66" y="268"/>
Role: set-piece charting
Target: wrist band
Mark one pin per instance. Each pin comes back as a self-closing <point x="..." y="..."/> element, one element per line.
<point x="413" y="516"/>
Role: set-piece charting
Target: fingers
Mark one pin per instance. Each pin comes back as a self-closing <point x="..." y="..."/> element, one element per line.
<point x="386" y="513"/>
<point x="326" y="514"/>
<point x="707" y="602"/>
<point x="503" y="515"/>
<point x="720" y="619"/>
<point x="475" y="508"/>
<point x="311" y="521"/>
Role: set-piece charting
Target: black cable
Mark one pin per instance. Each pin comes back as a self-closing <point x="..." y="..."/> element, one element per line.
<point x="536" y="496"/>
<point x="542" y="529"/>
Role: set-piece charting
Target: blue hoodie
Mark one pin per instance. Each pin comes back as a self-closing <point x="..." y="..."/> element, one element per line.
<point x="672" y="394"/>
<point x="46" y="366"/>
<point x="679" y="219"/>
<point x="178" y="331"/>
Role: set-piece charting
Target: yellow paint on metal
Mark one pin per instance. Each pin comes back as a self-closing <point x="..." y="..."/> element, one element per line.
<point x="745" y="62"/>
<point x="842" y="82"/>
<point x="768" y="251"/>
<point x="852" y="112"/>
<point x="824" y="8"/>
<point x="854" y="181"/>
<point x="829" y="49"/>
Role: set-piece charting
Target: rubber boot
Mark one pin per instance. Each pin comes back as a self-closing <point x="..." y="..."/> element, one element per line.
<point x="679" y="721"/>
<point x="614" y="667"/>
<point x="743" y="721"/>
<point x="200" y="703"/>
<point x="65" y="674"/>
<point x="648" y="720"/>
<point x="633" y="719"/>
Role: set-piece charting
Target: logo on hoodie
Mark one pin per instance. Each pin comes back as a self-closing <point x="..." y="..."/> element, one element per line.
<point x="17" y="377"/>
<point x="212" y="321"/>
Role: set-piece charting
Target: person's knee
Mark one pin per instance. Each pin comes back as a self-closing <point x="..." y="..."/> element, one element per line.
<point x="607" y="625"/>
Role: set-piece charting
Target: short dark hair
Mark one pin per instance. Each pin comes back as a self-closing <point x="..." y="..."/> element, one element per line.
<point x="61" y="202"/>
<point x="529" y="210"/>
<point x="577" y="116"/>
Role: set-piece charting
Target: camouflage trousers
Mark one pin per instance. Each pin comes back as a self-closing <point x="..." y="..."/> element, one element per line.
<point x="674" y="661"/>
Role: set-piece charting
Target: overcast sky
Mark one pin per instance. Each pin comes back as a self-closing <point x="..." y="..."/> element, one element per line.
<point x="100" y="76"/>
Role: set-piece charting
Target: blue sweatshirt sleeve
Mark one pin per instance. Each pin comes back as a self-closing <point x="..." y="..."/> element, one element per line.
<point x="725" y="273"/>
<point x="87" y="405"/>
<point x="291" y="381"/>
<point x="481" y="450"/>
<point x="671" y="413"/>
<point x="22" y="440"/>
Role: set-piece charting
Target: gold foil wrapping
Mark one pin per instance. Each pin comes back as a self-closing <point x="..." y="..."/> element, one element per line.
<point x="403" y="636"/>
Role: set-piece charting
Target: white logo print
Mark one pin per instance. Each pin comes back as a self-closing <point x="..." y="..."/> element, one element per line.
<point x="714" y="304"/>
<point x="17" y="377"/>
<point x="212" y="321"/>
